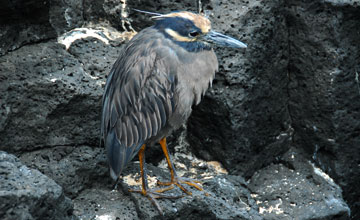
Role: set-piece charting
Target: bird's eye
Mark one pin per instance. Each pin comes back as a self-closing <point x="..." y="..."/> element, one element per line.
<point x="193" y="34"/>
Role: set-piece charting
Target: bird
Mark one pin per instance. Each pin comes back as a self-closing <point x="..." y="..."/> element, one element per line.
<point x="161" y="73"/>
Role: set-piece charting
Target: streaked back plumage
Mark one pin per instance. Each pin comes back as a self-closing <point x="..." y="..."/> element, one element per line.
<point x="150" y="91"/>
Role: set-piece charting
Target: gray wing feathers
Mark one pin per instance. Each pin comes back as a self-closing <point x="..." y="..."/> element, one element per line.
<point x="137" y="103"/>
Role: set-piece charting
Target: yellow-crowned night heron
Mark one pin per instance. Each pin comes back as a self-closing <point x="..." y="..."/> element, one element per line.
<point x="162" y="72"/>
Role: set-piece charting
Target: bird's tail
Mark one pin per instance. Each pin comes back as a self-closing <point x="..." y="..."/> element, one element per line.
<point x="118" y="154"/>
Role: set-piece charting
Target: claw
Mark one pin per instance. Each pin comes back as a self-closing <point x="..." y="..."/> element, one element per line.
<point x="182" y="180"/>
<point x="153" y="195"/>
<point x="176" y="180"/>
<point x="156" y="193"/>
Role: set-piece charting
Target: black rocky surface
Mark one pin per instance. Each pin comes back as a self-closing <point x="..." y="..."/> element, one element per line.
<point x="282" y="117"/>
<point x="28" y="194"/>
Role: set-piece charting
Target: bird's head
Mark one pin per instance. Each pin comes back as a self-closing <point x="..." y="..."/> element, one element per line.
<point x="187" y="27"/>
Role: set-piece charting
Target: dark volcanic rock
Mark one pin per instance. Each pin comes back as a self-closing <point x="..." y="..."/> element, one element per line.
<point x="65" y="15"/>
<point x="74" y="168"/>
<point x="23" y="22"/>
<point x="28" y="194"/>
<point x="224" y="196"/>
<point x="324" y="88"/>
<point x="141" y="20"/>
<point x="101" y="202"/>
<point x="48" y="99"/>
<point x="246" y="110"/>
<point x="120" y="14"/>
<point x="228" y="199"/>
<point x="31" y="21"/>
<point x="297" y="188"/>
<point x="295" y="87"/>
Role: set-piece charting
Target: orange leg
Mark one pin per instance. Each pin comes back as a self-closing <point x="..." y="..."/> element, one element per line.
<point x="144" y="182"/>
<point x="152" y="194"/>
<point x="176" y="180"/>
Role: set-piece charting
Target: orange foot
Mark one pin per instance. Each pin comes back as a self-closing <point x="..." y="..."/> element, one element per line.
<point x="181" y="180"/>
<point x="175" y="179"/>
<point x="153" y="194"/>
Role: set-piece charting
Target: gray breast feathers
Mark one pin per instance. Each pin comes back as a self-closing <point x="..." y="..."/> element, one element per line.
<point x="196" y="75"/>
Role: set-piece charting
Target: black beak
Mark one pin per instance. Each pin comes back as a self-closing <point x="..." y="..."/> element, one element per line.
<point x="223" y="40"/>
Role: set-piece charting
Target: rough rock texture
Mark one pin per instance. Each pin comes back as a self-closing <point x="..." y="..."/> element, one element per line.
<point x="325" y="71"/>
<point x="141" y="21"/>
<point x="28" y="194"/>
<point x="278" y="187"/>
<point x="19" y="26"/>
<point x="51" y="96"/>
<point x="283" y="114"/>
<point x="235" y="201"/>
<point x="249" y="98"/>
<point x="301" y="88"/>
<point x="42" y="84"/>
<point x="74" y="168"/>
